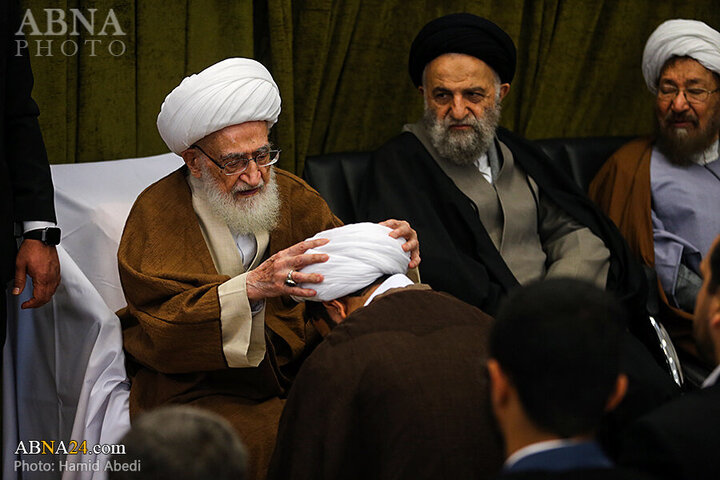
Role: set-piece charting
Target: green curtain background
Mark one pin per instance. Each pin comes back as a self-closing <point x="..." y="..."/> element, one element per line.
<point x="104" y="107"/>
<point x="342" y="68"/>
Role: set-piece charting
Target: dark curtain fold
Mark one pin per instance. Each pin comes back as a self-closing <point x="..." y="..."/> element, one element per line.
<point x="341" y="67"/>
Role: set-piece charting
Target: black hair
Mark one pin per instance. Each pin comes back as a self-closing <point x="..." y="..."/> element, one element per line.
<point x="558" y="342"/>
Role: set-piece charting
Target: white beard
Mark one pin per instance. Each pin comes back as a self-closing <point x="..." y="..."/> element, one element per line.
<point x="243" y="216"/>
<point x="462" y="148"/>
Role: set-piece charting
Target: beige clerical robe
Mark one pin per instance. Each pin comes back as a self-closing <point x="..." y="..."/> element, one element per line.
<point x="188" y="328"/>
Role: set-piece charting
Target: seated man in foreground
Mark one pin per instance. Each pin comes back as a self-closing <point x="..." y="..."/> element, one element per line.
<point x="208" y="260"/>
<point x="663" y="192"/>
<point x="554" y="372"/>
<point x="679" y="440"/>
<point x="397" y="389"/>
<point x="491" y="210"/>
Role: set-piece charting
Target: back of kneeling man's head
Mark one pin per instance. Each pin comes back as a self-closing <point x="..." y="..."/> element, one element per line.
<point x="360" y="256"/>
<point x="181" y="443"/>
<point x="555" y="360"/>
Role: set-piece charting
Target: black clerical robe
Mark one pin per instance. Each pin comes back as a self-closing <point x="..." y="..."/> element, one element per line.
<point x="458" y="255"/>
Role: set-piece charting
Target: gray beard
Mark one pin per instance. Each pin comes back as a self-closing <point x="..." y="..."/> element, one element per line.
<point x="681" y="148"/>
<point x="462" y="148"/>
<point x="243" y="216"/>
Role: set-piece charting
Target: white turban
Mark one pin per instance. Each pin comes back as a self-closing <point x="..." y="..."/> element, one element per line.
<point x="359" y="254"/>
<point x="680" y="38"/>
<point x="233" y="91"/>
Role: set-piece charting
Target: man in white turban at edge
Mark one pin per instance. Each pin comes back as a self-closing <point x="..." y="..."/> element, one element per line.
<point x="663" y="191"/>
<point x="210" y="256"/>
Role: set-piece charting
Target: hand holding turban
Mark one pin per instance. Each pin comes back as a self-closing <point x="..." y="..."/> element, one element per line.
<point x="680" y="38"/>
<point x="463" y="33"/>
<point x="233" y="91"/>
<point x="359" y="254"/>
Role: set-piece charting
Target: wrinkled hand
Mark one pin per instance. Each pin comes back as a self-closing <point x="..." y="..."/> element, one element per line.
<point x="268" y="279"/>
<point x="401" y="228"/>
<point x="41" y="262"/>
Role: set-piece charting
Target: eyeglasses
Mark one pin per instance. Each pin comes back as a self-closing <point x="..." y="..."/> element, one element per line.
<point x="692" y="95"/>
<point x="239" y="163"/>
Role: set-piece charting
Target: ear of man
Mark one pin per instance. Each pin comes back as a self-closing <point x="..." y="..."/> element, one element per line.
<point x="618" y="393"/>
<point x="499" y="385"/>
<point x="715" y="314"/>
<point x="337" y="309"/>
<point x="192" y="160"/>
<point x="504" y="90"/>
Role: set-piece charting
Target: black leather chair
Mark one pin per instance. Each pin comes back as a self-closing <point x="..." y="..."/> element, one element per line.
<point x="581" y="157"/>
<point x="337" y="177"/>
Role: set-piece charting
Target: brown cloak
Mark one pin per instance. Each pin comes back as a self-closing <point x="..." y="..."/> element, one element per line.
<point x="171" y="326"/>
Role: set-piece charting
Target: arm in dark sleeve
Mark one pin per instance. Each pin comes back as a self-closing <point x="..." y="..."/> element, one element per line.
<point x="24" y="148"/>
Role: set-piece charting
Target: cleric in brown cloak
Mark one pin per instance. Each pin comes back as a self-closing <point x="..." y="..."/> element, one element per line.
<point x="208" y="260"/>
<point x="660" y="190"/>
<point x="491" y="210"/>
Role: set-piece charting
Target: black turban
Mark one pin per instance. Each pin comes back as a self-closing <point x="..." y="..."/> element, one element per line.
<point x="463" y="33"/>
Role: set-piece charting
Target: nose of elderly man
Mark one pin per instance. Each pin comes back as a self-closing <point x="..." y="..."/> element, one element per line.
<point x="680" y="103"/>
<point x="253" y="175"/>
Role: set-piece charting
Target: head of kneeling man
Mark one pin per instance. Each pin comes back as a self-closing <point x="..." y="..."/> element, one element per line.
<point x="218" y="121"/>
<point x="681" y="66"/>
<point x="462" y="65"/>
<point x="362" y="257"/>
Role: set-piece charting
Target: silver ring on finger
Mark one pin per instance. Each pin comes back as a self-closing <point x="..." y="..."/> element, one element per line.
<point x="289" y="279"/>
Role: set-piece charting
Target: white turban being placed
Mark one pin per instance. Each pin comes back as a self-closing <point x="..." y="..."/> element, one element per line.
<point x="359" y="254"/>
<point x="680" y="38"/>
<point x="233" y="91"/>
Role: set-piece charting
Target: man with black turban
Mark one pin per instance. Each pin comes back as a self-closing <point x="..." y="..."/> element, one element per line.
<point x="491" y="211"/>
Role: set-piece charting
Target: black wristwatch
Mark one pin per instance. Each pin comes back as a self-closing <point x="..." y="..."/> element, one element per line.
<point x="47" y="235"/>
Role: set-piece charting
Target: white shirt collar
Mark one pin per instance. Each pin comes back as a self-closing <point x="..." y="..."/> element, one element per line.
<point x="396" y="281"/>
<point x="712" y="378"/>
<point x="483" y="164"/>
<point x="248" y="248"/>
<point x="709" y="155"/>
<point x="537" y="447"/>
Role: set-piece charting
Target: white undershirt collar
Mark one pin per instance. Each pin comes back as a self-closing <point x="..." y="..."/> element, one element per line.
<point x="709" y="155"/>
<point x="396" y="281"/>
<point x="247" y="244"/>
<point x="483" y="164"/>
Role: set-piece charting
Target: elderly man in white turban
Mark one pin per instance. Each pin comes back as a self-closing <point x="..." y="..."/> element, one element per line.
<point x="397" y="389"/>
<point x="664" y="192"/>
<point x="209" y="258"/>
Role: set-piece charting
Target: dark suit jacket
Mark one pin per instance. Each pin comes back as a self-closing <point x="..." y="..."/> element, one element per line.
<point x="583" y="461"/>
<point x="680" y="440"/>
<point x="397" y="391"/>
<point x="26" y="191"/>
